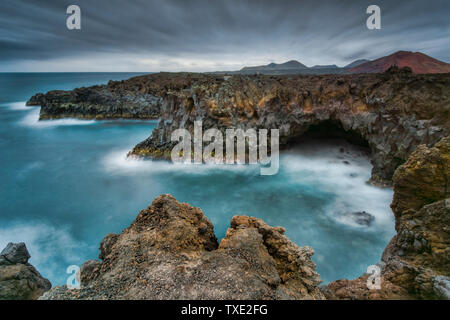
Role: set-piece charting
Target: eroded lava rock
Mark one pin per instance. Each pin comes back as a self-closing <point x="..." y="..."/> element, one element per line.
<point x="391" y="112"/>
<point x="171" y="252"/>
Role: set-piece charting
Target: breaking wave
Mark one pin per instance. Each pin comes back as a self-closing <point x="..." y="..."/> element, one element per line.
<point x="32" y="120"/>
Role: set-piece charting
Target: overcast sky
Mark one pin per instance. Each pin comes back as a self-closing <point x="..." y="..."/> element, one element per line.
<point x="208" y="35"/>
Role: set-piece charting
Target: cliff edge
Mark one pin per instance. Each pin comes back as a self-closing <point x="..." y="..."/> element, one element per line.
<point x="170" y="252"/>
<point x="392" y="112"/>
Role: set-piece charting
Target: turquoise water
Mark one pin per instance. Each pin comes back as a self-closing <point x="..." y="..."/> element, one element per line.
<point x="66" y="183"/>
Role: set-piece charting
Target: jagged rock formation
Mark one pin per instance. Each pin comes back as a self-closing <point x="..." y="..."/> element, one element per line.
<point x="416" y="263"/>
<point x="112" y="101"/>
<point x="170" y="252"/>
<point x="19" y="280"/>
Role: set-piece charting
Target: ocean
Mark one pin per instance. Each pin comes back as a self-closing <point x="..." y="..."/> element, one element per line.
<point x="66" y="183"/>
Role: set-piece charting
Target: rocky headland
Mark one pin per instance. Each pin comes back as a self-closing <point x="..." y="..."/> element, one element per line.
<point x="116" y="100"/>
<point x="170" y="251"/>
<point x="392" y="112"/>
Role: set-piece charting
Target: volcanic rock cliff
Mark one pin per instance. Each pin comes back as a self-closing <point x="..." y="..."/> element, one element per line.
<point x="170" y="252"/>
<point x="392" y="112"/>
<point x="117" y="99"/>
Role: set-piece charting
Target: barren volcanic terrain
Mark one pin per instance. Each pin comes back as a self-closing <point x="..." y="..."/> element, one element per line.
<point x="402" y="117"/>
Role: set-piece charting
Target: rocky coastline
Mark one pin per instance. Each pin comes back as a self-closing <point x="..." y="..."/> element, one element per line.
<point x="416" y="262"/>
<point x="392" y="112"/>
<point x="170" y="250"/>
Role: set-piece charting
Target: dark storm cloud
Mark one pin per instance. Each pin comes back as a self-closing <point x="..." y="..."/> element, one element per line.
<point x="210" y="34"/>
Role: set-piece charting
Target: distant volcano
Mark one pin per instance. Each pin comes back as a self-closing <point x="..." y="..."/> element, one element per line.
<point x="418" y="62"/>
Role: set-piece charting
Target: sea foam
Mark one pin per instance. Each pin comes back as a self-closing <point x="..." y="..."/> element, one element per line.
<point x="324" y="167"/>
<point x="117" y="162"/>
<point x="18" y="106"/>
<point x="32" y="120"/>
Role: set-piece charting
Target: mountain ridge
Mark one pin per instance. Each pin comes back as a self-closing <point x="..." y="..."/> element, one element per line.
<point x="417" y="61"/>
<point x="356" y="63"/>
<point x="289" y="65"/>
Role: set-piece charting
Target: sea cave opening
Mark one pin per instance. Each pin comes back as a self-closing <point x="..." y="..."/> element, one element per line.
<point x="326" y="130"/>
<point x="345" y="219"/>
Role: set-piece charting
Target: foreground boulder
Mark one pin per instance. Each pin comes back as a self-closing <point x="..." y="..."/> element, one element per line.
<point x="19" y="280"/>
<point x="170" y="252"/>
<point x="416" y="263"/>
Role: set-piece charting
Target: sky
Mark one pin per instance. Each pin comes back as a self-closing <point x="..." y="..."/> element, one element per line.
<point x="213" y="35"/>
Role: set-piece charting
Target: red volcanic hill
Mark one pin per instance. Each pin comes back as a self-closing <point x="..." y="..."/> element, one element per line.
<point x="418" y="62"/>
